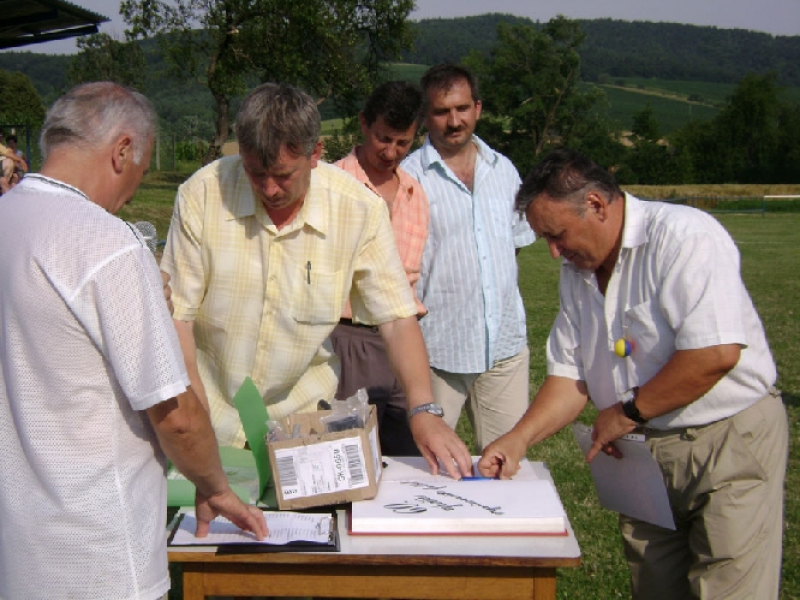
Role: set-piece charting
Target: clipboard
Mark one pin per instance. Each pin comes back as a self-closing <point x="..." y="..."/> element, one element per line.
<point x="237" y="542"/>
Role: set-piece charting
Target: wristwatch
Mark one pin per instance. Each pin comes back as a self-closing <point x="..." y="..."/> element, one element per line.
<point x="430" y="407"/>
<point x="629" y="406"/>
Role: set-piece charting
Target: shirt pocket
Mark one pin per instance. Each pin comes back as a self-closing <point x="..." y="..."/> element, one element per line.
<point x="317" y="297"/>
<point x="652" y="338"/>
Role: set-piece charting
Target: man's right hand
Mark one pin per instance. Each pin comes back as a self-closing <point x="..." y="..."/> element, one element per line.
<point x="244" y="516"/>
<point x="438" y="443"/>
<point x="501" y="458"/>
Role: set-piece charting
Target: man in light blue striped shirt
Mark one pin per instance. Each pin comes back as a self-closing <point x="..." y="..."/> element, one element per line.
<point x="475" y="328"/>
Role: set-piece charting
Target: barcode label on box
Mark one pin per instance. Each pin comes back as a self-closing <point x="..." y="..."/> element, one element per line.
<point x="325" y="467"/>
<point x="355" y="463"/>
<point x="286" y="471"/>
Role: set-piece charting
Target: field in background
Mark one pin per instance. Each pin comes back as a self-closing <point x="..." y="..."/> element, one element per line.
<point x="671" y="112"/>
<point x="769" y="247"/>
<point x="701" y="91"/>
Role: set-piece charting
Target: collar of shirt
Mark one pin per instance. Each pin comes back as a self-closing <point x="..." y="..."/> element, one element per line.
<point x="350" y="164"/>
<point x="313" y="213"/>
<point x="634" y="231"/>
<point x="430" y="156"/>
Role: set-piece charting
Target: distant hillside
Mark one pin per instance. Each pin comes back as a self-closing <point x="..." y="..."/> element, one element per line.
<point x="613" y="50"/>
<point x="629" y="49"/>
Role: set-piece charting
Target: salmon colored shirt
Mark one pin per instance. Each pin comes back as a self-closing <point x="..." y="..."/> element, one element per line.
<point x="410" y="215"/>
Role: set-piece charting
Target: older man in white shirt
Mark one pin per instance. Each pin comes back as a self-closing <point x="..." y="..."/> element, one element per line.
<point x="657" y="328"/>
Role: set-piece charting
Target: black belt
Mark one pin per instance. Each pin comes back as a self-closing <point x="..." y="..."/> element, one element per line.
<point x="361" y="325"/>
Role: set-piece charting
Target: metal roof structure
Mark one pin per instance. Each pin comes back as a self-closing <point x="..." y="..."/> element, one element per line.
<point x="24" y="22"/>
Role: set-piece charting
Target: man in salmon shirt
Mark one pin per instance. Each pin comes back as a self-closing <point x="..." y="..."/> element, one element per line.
<point x="389" y="124"/>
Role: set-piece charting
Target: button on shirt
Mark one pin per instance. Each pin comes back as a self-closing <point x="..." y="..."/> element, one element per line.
<point x="676" y="286"/>
<point x="264" y="301"/>
<point x="409" y="214"/>
<point x="469" y="268"/>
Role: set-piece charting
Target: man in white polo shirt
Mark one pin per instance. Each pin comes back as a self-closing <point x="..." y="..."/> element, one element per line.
<point x="657" y="328"/>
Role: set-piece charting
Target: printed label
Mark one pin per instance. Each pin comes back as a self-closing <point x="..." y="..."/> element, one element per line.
<point x="321" y="468"/>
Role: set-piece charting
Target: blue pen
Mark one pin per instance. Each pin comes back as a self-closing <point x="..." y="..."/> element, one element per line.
<point x="478" y="478"/>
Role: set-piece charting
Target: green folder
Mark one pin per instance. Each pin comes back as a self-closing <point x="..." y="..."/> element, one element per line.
<point x="254" y="416"/>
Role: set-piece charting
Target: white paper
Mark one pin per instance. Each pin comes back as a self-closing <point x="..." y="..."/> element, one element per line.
<point x="429" y="506"/>
<point x="631" y="485"/>
<point x="284" y="527"/>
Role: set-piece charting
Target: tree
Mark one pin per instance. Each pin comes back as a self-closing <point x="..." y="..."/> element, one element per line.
<point x="754" y="139"/>
<point x="748" y="125"/>
<point x="331" y="48"/>
<point x="645" y="125"/>
<point x="530" y="88"/>
<point x="20" y="103"/>
<point x="102" y="58"/>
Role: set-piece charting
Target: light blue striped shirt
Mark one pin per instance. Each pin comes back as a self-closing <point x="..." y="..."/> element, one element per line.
<point x="469" y="267"/>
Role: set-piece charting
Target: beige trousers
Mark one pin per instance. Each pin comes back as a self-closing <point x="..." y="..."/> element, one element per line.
<point x="725" y="485"/>
<point x="495" y="399"/>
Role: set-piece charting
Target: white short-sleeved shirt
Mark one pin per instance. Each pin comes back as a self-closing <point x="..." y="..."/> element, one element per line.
<point x="676" y="286"/>
<point x="86" y="343"/>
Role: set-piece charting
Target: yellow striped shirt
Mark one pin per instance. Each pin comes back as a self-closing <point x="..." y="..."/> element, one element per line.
<point x="264" y="301"/>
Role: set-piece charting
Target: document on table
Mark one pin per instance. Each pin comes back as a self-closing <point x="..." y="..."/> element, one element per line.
<point x="284" y="528"/>
<point x="631" y="485"/>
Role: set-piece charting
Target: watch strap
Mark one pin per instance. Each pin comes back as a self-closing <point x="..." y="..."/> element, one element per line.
<point x="629" y="406"/>
<point x="429" y="407"/>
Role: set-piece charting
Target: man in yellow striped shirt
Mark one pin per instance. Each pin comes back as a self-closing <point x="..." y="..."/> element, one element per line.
<point x="264" y="250"/>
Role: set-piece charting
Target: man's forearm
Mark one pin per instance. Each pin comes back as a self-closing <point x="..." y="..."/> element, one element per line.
<point x="408" y="357"/>
<point x="687" y="376"/>
<point x="185" y="331"/>
<point x="185" y="434"/>
<point x="558" y="402"/>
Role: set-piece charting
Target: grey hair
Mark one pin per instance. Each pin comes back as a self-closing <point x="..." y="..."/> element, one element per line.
<point x="565" y="176"/>
<point x="275" y="116"/>
<point x="92" y="115"/>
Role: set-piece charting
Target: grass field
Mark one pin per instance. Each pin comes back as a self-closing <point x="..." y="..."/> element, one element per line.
<point x="769" y="248"/>
<point x="670" y="112"/>
<point x="707" y="92"/>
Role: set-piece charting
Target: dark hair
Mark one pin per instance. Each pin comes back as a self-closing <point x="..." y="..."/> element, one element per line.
<point x="11" y="138"/>
<point x="563" y="173"/>
<point x="441" y="78"/>
<point x="398" y="102"/>
<point x="274" y="116"/>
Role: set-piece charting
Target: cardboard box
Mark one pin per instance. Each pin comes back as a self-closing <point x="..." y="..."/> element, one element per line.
<point x="318" y="469"/>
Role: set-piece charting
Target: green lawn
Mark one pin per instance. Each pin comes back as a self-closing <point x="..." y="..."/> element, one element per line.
<point x="769" y="247"/>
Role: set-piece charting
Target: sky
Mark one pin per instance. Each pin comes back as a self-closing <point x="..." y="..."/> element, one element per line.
<point x="778" y="17"/>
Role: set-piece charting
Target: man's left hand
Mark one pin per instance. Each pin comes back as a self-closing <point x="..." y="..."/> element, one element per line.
<point x="611" y="424"/>
<point x="438" y="443"/>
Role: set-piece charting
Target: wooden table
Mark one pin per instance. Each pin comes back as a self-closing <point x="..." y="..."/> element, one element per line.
<point x="409" y="567"/>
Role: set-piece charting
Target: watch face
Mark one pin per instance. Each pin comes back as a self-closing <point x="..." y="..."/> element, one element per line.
<point x="435" y="409"/>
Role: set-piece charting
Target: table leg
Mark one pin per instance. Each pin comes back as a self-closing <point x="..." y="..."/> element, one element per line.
<point x="544" y="584"/>
<point x="193" y="581"/>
